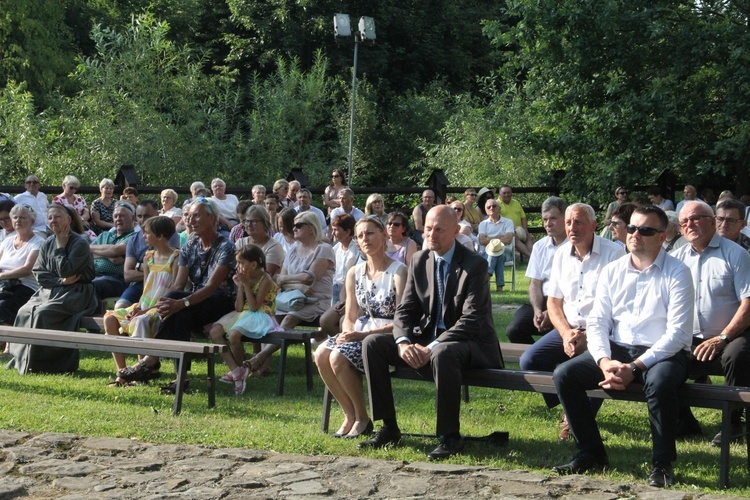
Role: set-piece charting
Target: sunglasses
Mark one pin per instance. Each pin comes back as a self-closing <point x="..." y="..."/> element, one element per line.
<point x="395" y="224"/>
<point x="643" y="230"/>
<point x="299" y="225"/>
<point x="74" y="188"/>
<point x="334" y="176"/>
<point x="623" y="192"/>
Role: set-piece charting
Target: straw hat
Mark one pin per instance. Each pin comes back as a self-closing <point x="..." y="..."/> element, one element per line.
<point x="495" y="247"/>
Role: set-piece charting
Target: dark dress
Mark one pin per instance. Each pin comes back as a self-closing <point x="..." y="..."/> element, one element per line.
<point x="56" y="306"/>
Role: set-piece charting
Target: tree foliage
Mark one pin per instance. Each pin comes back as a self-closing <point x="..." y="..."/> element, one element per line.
<point x="621" y="92"/>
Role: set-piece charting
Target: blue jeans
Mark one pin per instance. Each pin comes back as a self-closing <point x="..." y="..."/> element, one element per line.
<point x="496" y="266"/>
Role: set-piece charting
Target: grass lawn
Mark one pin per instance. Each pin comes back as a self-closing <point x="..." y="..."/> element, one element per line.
<point x="83" y="404"/>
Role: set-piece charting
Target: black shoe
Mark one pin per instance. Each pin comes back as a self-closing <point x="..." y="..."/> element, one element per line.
<point x="383" y="437"/>
<point x="688" y="426"/>
<point x="661" y="475"/>
<point x="449" y="446"/>
<point x="737" y="436"/>
<point x="582" y="462"/>
<point x="172" y="387"/>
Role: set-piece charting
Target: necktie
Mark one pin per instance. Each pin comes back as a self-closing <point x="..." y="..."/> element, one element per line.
<point x="440" y="279"/>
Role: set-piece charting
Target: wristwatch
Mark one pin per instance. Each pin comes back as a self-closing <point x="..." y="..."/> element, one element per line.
<point x="186" y="302"/>
<point x="725" y="338"/>
<point x="636" y="371"/>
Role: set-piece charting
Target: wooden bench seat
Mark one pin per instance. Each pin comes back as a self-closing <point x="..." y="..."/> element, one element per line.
<point x="181" y="351"/>
<point x="721" y="397"/>
<point x="284" y="339"/>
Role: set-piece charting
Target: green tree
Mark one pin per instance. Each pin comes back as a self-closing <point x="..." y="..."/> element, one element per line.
<point x="620" y="92"/>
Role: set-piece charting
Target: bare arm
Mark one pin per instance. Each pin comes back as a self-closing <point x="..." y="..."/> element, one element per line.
<point x="23" y="271"/>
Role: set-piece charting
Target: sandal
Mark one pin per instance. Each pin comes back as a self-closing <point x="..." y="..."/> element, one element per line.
<point x="172" y="387"/>
<point x="118" y="382"/>
<point x="227" y="378"/>
<point x="240" y="382"/>
<point x="140" y="372"/>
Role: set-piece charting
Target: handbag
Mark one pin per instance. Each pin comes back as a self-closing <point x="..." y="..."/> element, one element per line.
<point x="290" y="300"/>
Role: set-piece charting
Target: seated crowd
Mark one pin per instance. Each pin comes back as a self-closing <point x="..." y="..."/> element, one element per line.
<point x="658" y="296"/>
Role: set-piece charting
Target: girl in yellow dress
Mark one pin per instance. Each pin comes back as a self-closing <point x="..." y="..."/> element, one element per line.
<point x="253" y="316"/>
<point x="159" y="270"/>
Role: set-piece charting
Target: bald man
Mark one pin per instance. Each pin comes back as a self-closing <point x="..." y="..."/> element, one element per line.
<point x="438" y="338"/>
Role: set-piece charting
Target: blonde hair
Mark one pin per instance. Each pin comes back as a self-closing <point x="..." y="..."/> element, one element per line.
<point x="71" y="180"/>
<point x="311" y="219"/>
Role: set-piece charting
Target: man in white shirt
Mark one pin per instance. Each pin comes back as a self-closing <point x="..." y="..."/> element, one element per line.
<point x="304" y="198"/>
<point x="532" y="319"/>
<point x="37" y="200"/>
<point x="346" y="200"/>
<point x="639" y="330"/>
<point x="721" y="326"/>
<point x="575" y="272"/>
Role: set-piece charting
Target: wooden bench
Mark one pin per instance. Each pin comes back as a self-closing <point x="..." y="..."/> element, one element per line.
<point x="181" y="351"/>
<point x="284" y="339"/>
<point x="721" y="397"/>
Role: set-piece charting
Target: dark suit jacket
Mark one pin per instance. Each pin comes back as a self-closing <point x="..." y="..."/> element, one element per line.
<point x="467" y="310"/>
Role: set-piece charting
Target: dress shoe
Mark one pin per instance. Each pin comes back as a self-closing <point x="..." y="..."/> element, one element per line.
<point x="353" y="434"/>
<point x="688" y="426"/>
<point x="582" y="462"/>
<point x="661" y="475"/>
<point x="449" y="446"/>
<point x="564" y="428"/>
<point x="737" y="435"/>
<point x="383" y="437"/>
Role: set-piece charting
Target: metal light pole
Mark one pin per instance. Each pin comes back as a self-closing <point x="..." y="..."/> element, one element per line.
<point x="365" y="33"/>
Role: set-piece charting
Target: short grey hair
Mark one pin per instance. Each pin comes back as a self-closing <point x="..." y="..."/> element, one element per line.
<point x="258" y="188"/>
<point x="554" y="202"/>
<point x="705" y="207"/>
<point x="71" y="180"/>
<point x="582" y="207"/>
<point x="346" y="192"/>
<point x="106" y="182"/>
<point x="23" y="207"/>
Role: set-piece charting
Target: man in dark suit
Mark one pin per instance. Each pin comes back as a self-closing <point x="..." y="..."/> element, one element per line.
<point x="437" y="338"/>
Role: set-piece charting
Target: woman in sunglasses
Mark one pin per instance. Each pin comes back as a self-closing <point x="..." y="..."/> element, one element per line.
<point x="331" y="194"/>
<point x="621" y="196"/>
<point x="308" y="267"/>
<point x="400" y="246"/>
<point x="619" y="223"/>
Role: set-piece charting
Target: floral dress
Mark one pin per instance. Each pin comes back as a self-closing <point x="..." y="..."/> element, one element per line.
<point x="158" y="282"/>
<point x="79" y="205"/>
<point x="254" y="324"/>
<point x="377" y="299"/>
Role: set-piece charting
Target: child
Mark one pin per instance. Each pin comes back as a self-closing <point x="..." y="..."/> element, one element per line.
<point x="159" y="270"/>
<point x="253" y="316"/>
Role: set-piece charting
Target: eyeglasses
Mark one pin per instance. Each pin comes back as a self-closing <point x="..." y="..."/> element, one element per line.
<point x="250" y="222"/>
<point x="394" y="223"/>
<point x="727" y="220"/>
<point x="493" y="206"/>
<point x="4" y="219"/>
<point x="299" y="225"/>
<point x="643" y="230"/>
<point x="694" y="219"/>
<point x="458" y="209"/>
<point x="74" y="188"/>
<point x="33" y="182"/>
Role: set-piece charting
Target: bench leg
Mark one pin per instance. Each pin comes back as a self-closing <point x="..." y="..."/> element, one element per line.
<point x="211" y="375"/>
<point x="325" y="420"/>
<point x="308" y="364"/>
<point x="181" y="376"/>
<point x="726" y="435"/>
<point x="282" y="368"/>
<point x="747" y="435"/>
<point x="465" y="390"/>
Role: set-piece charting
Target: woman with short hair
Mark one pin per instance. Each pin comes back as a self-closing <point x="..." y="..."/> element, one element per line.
<point x="18" y="254"/>
<point x="400" y="247"/>
<point x="103" y="208"/>
<point x="257" y="224"/>
<point x="168" y="199"/>
<point x="70" y="198"/>
<point x="375" y="206"/>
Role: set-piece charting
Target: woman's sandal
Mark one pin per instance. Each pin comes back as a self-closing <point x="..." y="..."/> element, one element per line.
<point x="140" y="372"/>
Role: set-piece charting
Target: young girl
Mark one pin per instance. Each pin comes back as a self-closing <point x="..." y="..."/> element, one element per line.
<point x="159" y="270"/>
<point x="253" y="316"/>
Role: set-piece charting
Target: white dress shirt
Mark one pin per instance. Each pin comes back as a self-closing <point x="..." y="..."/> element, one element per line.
<point x="651" y="308"/>
<point x="540" y="262"/>
<point x="574" y="280"/>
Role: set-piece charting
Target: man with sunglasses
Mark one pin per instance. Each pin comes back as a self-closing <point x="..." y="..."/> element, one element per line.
<point x="721" y="327"/>
<point x="37" y="200"/>
<point x="573" y="277"/>
<point x="638" y="330"/>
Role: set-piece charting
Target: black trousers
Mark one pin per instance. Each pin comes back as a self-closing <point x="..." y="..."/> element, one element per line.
<point x="194" y="318"/>
<point x="660" y="383"/>
<point x="521" y="329"/>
